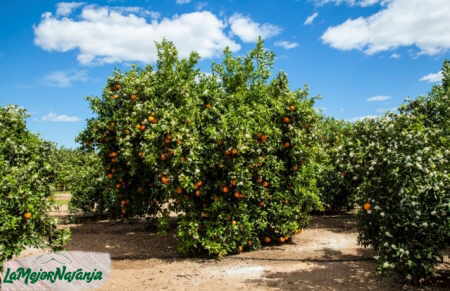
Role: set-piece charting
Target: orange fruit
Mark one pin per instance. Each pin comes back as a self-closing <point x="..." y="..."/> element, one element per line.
<point x="367" y="206"/>
<point x="263" y="138"/>
<point x="142" y="127"/>
<point x="198" y="184"/>
<point x="118" y="186"/>
<point x="198" y="193"/>
<point x="286" y="144"/>
<point x="233" y="182"/>
<point x="165" y="180"/>
<point x="133" y="97"/>
<point x="286" y="120"/>
<point x="292" y="108"/>
<point x="115" y="96"/>
<point x="261" y="204"/>
<point x="27" y="215"/>
<point x="234" y="222"/>
<point x="234" y="151"/>
<point x="208" y="106"/>
<point x="225" y="189"/>
<point x="152" y="119"/>
<point x="141" y="154"/>
<point x="267" y="240"/>
<point x="110" y="176"/>
<point x="163" y="157"/>
<point x="113" y="154"/>
<point x="114" y="160"/>
<point x="266" y="184"/>
<point x="238" y="195"/>
<point x="179" y="190"/>
<point x="281" y="239"/>
<point x="117" y="87"/>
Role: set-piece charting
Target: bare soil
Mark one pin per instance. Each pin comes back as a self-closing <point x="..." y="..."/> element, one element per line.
<point x="325" y="256"/>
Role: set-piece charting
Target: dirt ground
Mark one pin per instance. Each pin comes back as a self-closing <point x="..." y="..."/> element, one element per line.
<point x="325" y="256"/>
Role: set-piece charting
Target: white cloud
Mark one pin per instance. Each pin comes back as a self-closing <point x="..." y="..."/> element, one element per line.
<point x="378" y="98"/>
<point x="362" y="118"/>
<point x="183" y="1"/>
<point x="361" y="3"/>
<point x="286" y="44"/>
<point x="419" y="23"/>
<point x="395" y="56"/>
<point x="311" y="18"/>
<point x="249" y="31"/>
<point x="201" y="5"/>
<point x="108" y="35"/>
<point x="432" y="78"/>
<point x="65" y="79"/>
<point x="65" y="8"/>
<point x="53" y="117"/>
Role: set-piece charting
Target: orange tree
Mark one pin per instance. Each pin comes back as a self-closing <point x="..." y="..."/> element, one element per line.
<point x="25" y="177"/>
<point x="233" y="152"/>
<point x="401" y="165"/>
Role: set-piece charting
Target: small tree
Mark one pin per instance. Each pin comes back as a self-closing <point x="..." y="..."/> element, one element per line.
<point x="25" y="177"/>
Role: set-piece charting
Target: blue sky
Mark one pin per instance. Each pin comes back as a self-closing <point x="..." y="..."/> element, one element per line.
<point x="362" y="56"/>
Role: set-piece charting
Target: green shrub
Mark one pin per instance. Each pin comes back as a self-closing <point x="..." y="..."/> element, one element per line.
<point x="232" y="153"/>
<point x="403" y="164"/>
<point x="25" y="176"/>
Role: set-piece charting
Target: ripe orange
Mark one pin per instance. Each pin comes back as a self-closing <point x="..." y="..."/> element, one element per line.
<point x="286" y="120"/>
<point x="238" y="195"/>
<point x="281" y="239"/>
<point x="113" y="154"/>
<point x="367" y="206"/>
<point x="27" y="215"/>
<point x="233" y="182"/>
<point x="115" y="96"/>
<point x="234" y="152"/>
<point x="208" y="106"/>
<point x="263" y="138"/>
<point x="198" y="184"/>
<point x="179" y="190"/>
<point x="286" y="144"/>
<point x="225" y="189"/>
<point x="292" y="108"/>
<point x="110" y="176"/>
<point x="165" y="180"/>
<point x="198" y="193"/>
<point x="267" y="240"/>
<point x="152" y="119"/>
<point x="142" y="127"/>
<point x="266" y="184"/>
<point x="163" y="157"/>
<point x="118" y="186"/>
<point x="114" y="160"/>
<point x="261" y="204"/>
<point x="133" y="97"/>
<point x="234" y="222"/>
<point x="141" y="154"/>
<point x="117" y="87"/>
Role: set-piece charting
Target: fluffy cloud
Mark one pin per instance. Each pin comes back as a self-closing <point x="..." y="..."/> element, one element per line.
<point x="395" y="56"/>
<point x="183" y="1"/>
<point x="53" y="117"/>
<point x="310" y="19"/>
<point x="432" y="78"/>
<point x="249" y="31"/>
<point x="65" y="8"/>
<point x="419" y="23"/>
<point x="378" y="98"/>
<point x="108" y="35"/>
<point x="65" y="79"/>
<point x="286" y="44"/>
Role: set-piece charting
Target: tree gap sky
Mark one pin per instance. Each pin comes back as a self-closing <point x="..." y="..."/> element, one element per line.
<point x="363" y="57"/>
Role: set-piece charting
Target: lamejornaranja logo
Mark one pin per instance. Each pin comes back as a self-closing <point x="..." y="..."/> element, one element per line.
<point x="73" y="270"/>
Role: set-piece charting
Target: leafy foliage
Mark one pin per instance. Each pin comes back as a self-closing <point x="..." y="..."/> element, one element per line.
<point x="25" y="176"/>
<point x="402" y="164"/>
<point x="232" y="152"/>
